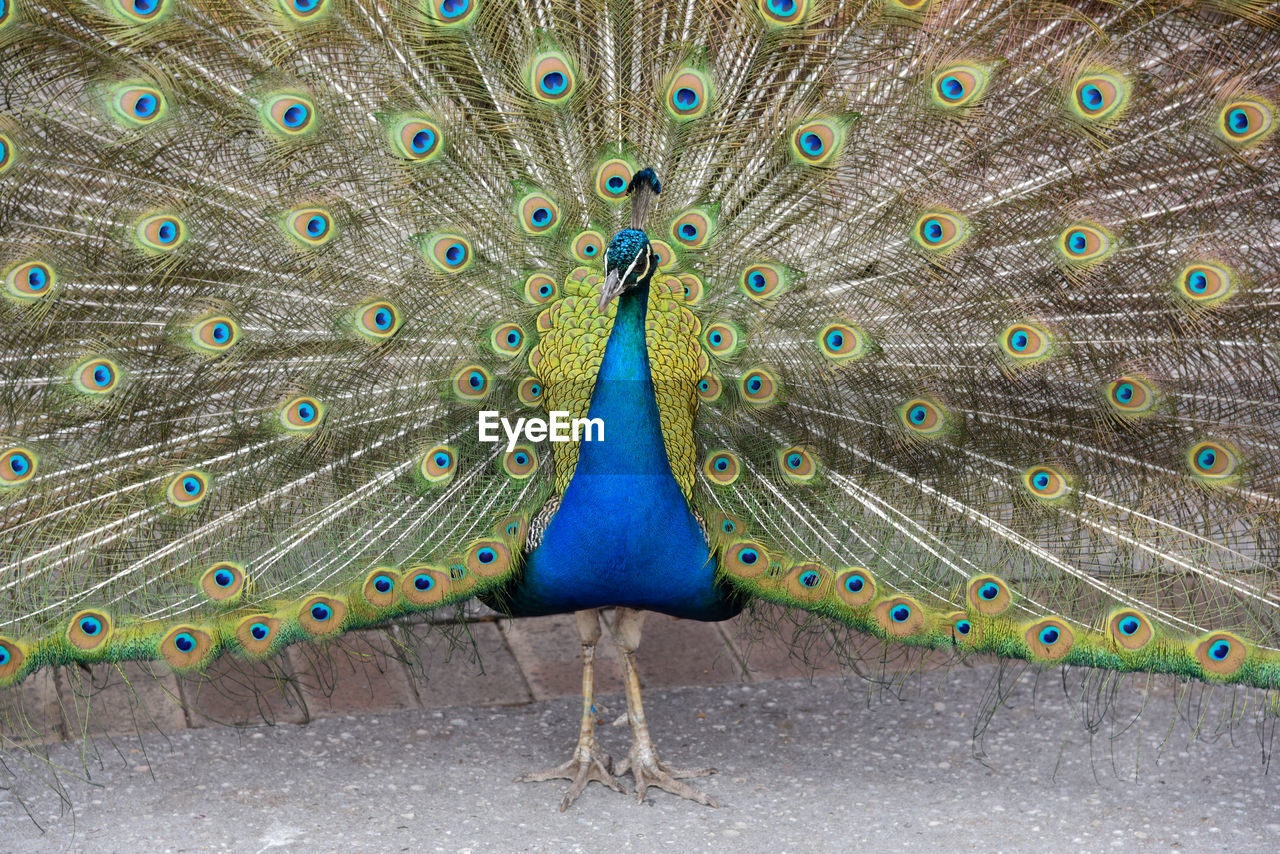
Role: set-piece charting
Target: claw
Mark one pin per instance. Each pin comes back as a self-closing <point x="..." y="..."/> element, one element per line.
<point x="648" y="770"/>
<point x="595" y="766"/>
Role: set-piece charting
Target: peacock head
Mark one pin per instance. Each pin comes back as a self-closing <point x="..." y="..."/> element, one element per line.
<point x="630" y="261"/>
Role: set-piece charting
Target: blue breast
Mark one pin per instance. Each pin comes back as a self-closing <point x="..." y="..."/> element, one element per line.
<point x="624" y="534"/>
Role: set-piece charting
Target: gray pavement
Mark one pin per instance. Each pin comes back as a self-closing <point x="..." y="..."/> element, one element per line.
<point x="824" y="765"/>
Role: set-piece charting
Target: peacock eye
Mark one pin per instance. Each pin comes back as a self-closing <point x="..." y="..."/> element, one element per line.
<point x="551" y="78"/>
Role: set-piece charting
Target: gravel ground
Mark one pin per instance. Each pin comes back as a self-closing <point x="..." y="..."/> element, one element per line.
<point x="823" y="765"/>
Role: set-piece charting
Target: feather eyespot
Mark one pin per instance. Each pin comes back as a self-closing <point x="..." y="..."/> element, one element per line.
<point x="507" y="340"/>
<point x="472" y="382"/>
<point x="303" y="10"/>
<point x="288" y="115"/>
<point x="963" y="630"/>
<point x="722" y="468"/>
<point x="257" y="634"/>
<point x="1049" y="639"/>
<point x="1099" y="97"/>
<point x="322" y="615"/>
<point x="8" y="154"/>
<point x="761" y="281"/>
<point x="691" y="288"/>
<point x="11" y="657"/>
<point x="514" y="529"/>
<point x="488" y="558"/>
<point x="438" y="465"/>
<point x="539" y="289"/>
<point x="781" y="13"/>
<point x="31" y="281"/>
<point x="452" y="13"/>
<point x="1025" y="343"/>
<point x="17" y="466"/>
<point x="758" y="387"/>
<point x="939" y="232"/>
<point x="302" y="415"/>
<point x="160" y="233"/>
<point x="380" y="587"/>
<point x="710" y="388"/>
<point x="1130" y="396"/>
<point x="538" y="213"/>
<point x="797" y="464"/>
<point x="666" y="255"/>
<point x="856" y="587"/>
<point x="958" y="86"/>
<point x="377" y="320"/>
<point x="551" y="78"/>
<point x="1084" y="244"/>
<point x="745" y="560"/>
<point x="1129" y="629"/>
<point x="448" y="253"/>
<point x="1204" y="284"/>
<point x="808" y="582"/>
<point x="89" y="630"/>
<point x="691" y="229"/>
<point x="223" y="582"/>
<point x="1212" y="462"/>
<point x="721" y="339"/>
<point x="922" y="417"/>
<point x="613" y="178"/>
<point x="688" y="94"/>
<point x="988" y="595"/>
<point x="187" y="489"/>
<point x="424" y="586"/>
<point x="416" y="139"/>
<point x="900" y="616"/>
<point x="841" y="342"/>
<point x="1245" y="121"/>
<point x="96" y="376"/>
<point x="140" y="11"/>
<point x="520" y="462"/>
<point x="138" y="105"/>
<point x="310" y="227"/>
<point x="215" y="334"/>
<point x="588" y="246"/>
<point x="1221" y="654"/>
<point x="530" y="391"/>
<point x="816" y="143"/>
<point x="186" y="647"/>
<point x="1046" y="482"/>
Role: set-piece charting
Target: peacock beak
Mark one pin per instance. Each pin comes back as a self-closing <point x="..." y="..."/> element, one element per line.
<point x="611" y="288"/>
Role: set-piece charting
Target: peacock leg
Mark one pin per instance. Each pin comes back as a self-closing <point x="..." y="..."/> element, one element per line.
<point x="642" y="760"/>
<point x="588" y="762"/>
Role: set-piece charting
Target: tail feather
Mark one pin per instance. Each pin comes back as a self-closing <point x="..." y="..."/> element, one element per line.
<point x="986" y="291"/>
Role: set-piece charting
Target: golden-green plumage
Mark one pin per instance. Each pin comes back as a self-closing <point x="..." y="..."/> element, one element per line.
<point x="567" y="359"/>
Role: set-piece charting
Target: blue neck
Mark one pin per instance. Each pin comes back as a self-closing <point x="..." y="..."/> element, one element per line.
<point x="624" y="400"/>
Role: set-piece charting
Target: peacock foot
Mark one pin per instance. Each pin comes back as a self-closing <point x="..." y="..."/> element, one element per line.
<point x="588" y="763"/>
<point x="648" y="770"/>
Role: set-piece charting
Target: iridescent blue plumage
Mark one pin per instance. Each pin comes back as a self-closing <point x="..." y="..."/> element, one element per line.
<point x="624" y="533"/>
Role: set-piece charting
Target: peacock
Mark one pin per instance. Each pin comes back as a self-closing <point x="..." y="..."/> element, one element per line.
<point x="954" y="323"/>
